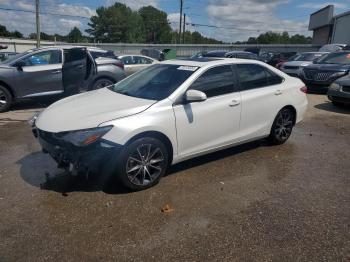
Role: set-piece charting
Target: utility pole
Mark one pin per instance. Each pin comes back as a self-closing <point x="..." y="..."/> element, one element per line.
<point x="184" y="29"/>
<point x="37" y="23"/>
<point x="181" y="4"/>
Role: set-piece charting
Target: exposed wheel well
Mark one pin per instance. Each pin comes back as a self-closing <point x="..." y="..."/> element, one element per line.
<point x="161" y="137"/>
<point x="294" y="111"/>
<point x="8" y="88"/>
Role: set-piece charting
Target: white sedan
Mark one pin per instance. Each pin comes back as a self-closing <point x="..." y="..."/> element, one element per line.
<point x="134" y="63"/>
<point x="169" y="112"/>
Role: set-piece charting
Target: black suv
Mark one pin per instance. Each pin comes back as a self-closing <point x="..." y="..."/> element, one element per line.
<point x="323" y="72"/>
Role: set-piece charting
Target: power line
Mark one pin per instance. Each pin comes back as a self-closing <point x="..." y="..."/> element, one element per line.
<point x="43" y="13"/>
<point x="237" y="28"/>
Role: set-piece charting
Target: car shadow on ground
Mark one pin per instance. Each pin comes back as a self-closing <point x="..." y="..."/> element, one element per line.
<point x="328" y="106"/>
<point x="39" y="170"/>
<point x="33" y="103"/>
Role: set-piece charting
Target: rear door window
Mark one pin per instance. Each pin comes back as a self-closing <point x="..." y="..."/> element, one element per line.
<point x="216" y="81"/>
<point x="142" y="60"/>
<point x="253" y="76"/>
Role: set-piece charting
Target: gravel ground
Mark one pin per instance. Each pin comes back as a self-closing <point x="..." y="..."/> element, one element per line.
<point x="249" y="203"/>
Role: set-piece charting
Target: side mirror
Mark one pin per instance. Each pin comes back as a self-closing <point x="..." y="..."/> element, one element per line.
<point x="195" y="96"/>
<point x="20" y="65"/>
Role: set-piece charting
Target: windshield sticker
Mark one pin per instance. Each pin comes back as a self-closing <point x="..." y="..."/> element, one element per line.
<point x="188" y="68"/>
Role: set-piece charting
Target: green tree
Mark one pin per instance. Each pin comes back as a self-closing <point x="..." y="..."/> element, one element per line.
<point x="117" y="23"/>
<point x="3" y="31"/>
<point x="156" y="24"/>
<point x="16" y="34"/>
<point x="75" y="36"/>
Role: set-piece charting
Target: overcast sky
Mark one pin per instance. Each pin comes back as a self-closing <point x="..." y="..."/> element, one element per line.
<point x="244" y="17"/>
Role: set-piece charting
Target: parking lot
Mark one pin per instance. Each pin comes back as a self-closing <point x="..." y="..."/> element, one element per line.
<point x="250" y="203"/>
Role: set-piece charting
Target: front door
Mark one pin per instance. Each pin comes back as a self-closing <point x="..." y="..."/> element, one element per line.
<point x="213" y="123"/>
<point x="76" y="68"/>
<point x="40" y="74"/>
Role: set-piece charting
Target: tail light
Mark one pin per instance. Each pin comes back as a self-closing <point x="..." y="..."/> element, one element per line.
<point x="304" y="89"/>
<point x="279" y="65"/>
<point x="119" y="64"/>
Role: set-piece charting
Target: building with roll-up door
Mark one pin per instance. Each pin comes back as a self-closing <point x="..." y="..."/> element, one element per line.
<point x="329" y="28"/>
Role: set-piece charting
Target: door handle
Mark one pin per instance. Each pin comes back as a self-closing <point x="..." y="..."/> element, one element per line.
<point x="278" y="92"/>
<point x="56" y="72"/>
<point x="234" y="103"/>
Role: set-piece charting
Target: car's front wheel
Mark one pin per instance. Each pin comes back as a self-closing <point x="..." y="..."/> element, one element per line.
<point x="142" y="163"/>
<point x="5" y="99"/>
<point x="282" y="126"/>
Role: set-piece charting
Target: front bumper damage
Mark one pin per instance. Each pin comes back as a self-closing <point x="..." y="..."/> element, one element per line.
<point x="97" y="157"/>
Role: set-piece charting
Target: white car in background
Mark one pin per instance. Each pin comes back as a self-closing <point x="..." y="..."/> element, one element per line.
<point x="299" y="61"/>
<point x="134" y="63"/>
<point x="169" y="112"/>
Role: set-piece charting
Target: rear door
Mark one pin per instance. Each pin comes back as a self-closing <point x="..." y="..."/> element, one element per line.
<point x="40" y="74"/>
<point x="78" y="65"/>
<point x="262" y="94"/>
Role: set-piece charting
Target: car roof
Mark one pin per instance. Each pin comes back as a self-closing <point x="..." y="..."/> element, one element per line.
<point x="208" y="61"/>
<point x="239" y="52"/>
<point x="68" y="47"/>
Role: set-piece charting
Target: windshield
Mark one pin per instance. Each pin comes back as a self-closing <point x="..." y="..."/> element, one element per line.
<point x="15" y="57"/>
<point x="305" y="57"/>
<point x="155" y="82"/>
<point x="342" y="58"/>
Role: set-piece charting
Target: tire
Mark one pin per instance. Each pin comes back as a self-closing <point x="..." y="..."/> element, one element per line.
<point x="142" y="163"/>
<point x="282" y="126"/>
<point x="101" y="83"/>
<point x="6" y="99"/>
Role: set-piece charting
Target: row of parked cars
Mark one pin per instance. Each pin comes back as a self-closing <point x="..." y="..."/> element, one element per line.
<point x="53" y="70"/>
<point x="326" y="70"/>
<point x="63" y="70"/>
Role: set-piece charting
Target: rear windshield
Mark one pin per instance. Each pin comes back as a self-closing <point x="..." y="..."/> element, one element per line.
<point x="342" y="58"/>
<point x="156" y="82"/>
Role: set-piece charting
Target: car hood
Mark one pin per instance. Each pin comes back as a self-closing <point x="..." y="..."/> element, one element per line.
<point x="89" y="110"/>
<point x="4" y="65"/>
<point x="330" y="67"/>
<point x="297" y="63"/>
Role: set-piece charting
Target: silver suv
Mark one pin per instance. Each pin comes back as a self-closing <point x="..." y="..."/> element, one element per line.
<point x="56" y="70"/>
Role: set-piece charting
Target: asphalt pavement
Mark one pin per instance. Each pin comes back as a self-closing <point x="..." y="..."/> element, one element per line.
<point x="254" y="202"/>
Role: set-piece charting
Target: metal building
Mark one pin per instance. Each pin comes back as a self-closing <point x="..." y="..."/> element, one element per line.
<point x="330" y="29"/>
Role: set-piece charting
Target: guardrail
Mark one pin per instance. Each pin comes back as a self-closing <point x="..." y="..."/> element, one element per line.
<point x="182" y="49"/>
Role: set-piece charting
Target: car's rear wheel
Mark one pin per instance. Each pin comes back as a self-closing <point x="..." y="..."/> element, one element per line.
<point x="5" y="99"/>
<point x="101" y="83"/>
<point x="282" y="126"/>
<point x="142" y="163"/>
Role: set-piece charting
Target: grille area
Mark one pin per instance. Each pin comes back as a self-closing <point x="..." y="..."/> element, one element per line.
<point x="50" y="137"/>
<point x="291" y="67"/>
<point x="317" y="75"/>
